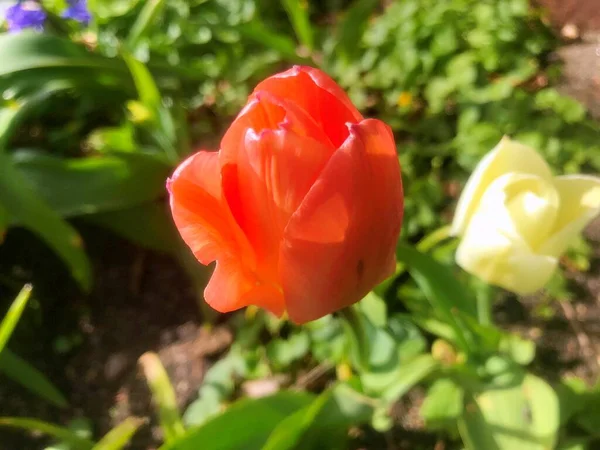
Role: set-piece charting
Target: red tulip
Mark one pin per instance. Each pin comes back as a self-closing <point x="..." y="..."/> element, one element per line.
<point x="301" y="207"/>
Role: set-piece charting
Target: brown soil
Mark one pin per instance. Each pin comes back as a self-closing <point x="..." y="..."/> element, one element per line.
<point x="585" y="14"/>
<point x="141" y="302"/>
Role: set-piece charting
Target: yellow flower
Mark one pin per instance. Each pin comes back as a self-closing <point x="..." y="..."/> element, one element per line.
<point x="404" y="99"/>
<point x="515" y="219"/>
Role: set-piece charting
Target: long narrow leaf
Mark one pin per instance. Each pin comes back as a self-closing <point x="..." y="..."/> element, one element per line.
<point x="163" y="396"/>
<point x="12" y="117"/>
<point x="39" y="426"/>
<point x="245" y="425"/>
<point x="444" y="292"/>
<point x="30" y="60"/>
<point x="297" y="12"/>
<point x="119" y="437"/>
<point x="144" y="20"/>
<point x="20" y="371"/>
<point x="25" y="205"/>
<point x="82" y="186"/>
<point x="13" y="315"/>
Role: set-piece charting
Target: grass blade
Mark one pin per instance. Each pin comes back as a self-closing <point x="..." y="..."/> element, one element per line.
<point x="144" y="20"/>
<point x="119" y="437"/>
<point x="297" y="12"/>
<point x="55" y="431"/>
<point x="20" y="371"/>
<point x="13" y="315"/>
<point x="163" y="396"/>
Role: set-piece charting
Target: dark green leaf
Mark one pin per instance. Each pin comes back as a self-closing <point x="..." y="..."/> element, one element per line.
<point x="148" y="224"/>
<point x="246" y="424"/>
<point x="445" y="293"/>
<point x="80" y="186"/>
<point x="63" y="434"/>
<point x="297" y="11"/>
<point x="24" y="204"/>
<point x="20" y="371"/>
<point x="324" y="423"/>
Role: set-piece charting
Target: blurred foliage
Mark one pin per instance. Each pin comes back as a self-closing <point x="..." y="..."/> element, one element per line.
<point x="93" y="120"/>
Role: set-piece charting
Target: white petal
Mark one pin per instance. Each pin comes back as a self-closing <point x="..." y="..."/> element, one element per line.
<point x="579" y="204"/>
<point x="507" y="157"/>
<point x="488" y="253"/>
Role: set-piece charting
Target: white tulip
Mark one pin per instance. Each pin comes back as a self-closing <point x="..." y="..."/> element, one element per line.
<point x="515" y="219"/>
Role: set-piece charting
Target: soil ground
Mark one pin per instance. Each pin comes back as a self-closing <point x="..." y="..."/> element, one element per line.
<point x="143" y="302"/>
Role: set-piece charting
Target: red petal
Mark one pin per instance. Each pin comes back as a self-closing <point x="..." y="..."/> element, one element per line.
<point x="317" y="94"/>
<point x="267" y="184"/>
<point x="208" y="228"/>
<point x="198" y="211"/>
<point x="267" y="112"/>
<point x="341" y="241"/>
<point x="232" y="287"/>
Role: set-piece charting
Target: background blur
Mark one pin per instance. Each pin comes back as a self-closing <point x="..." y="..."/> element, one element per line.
<point x="97" y="111"/>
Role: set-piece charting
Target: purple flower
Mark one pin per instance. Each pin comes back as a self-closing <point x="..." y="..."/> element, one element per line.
<point x="25" y="14"/>
<point x="78" y="11"/>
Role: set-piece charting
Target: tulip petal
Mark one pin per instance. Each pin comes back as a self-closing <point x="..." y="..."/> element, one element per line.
<point x="508" y="156"/>
<point x="202" y="219"/>
<point x="271" y="177"/>
<point x="208" y="228"/>
<point x="579" y="204"/>
<point x="341" y="241"/>
<point x="232" y="287"/>
<point x="498" y="259"/>
<point x="317" y="94"/>
<point x="267" y="112"/>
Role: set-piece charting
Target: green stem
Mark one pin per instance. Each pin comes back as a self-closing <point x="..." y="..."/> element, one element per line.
<point x="484" y="308"/>
<point x="434" y="238"/>
<point x="358" y="335"/>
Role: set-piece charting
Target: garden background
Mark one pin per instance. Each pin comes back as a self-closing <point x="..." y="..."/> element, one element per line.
<point x="96" y="116"/>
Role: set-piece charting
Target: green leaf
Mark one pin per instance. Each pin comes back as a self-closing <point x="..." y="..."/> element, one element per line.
<point x="374" y="308"/>
<point x="218" y="385"/>
<point x="393" y="384"/>
<point x="351" y="27"/>
<point x="443" y="403"/>
<point x="148" y="225"/>
<point x="523" y="416"/>
<point x="20" y="371"/>
<point x="146" y="87"/>
<point x="144" y="22"/>
<point x="119" y="437"/>
<point x="4" y="222"/>
<point x="30" y="60"/>
<point x="63" y="434"/>
<point x="324" y="423"/>
<point x="28" y="209"/>
<point x="12" y="116"/>
<point x="575" y="444"/>
<point x="113" y="139"/>
<point x="11" y="319"/>
<point x="522" y="351"/>
<point x="246" y="424"/>
<point x="162" y="126"/>
<point x="163" y="396"/>
<point x="445" y="293"/>
<point x="297" y="12"/>
<point x="80" y="186"/>
<point x="283" y="352"/>
<point x="262" y="34"/>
